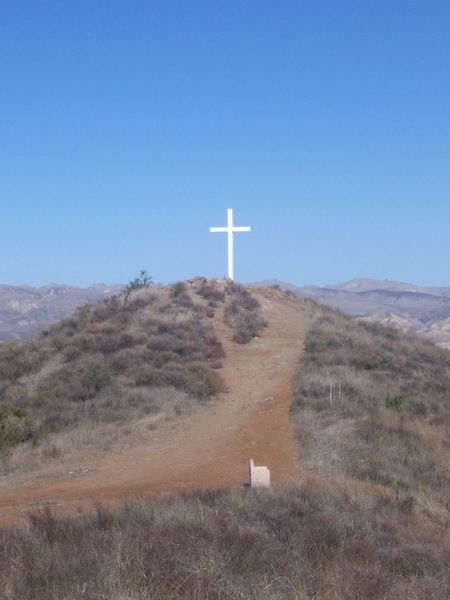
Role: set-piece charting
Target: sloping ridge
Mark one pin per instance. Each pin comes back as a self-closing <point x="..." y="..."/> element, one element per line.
<point x="208" y="449"/>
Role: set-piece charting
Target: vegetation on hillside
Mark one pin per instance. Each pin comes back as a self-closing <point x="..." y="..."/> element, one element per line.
<point x="242" y="311"/>
<point x="371" y="409"/>
<point x="243" y="314"/>
<point x="382" y="399"/>
<point x="110" y="363"/>
<point x="368" y="521"/>
<point x="145" y="354"/>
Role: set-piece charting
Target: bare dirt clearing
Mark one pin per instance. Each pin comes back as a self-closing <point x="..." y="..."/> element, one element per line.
<point x="207" y="449"/>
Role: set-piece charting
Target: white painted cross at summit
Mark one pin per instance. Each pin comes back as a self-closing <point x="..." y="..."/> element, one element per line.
<point x="230" y="229"/>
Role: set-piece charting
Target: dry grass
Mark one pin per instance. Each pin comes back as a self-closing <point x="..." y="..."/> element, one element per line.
<point x="76" y="442"/>
<point x="386" y="419"/>
<point x="293" y="543"/>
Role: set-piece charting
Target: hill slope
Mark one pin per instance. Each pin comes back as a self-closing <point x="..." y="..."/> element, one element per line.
<point x="421" y="310"/>
<point x="372" y="407"/>
<point x="360" y="504"/>
<point x="209" y="446"/>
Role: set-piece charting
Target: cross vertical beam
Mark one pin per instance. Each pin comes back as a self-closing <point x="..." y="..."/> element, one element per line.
<point x="230" y="244"/>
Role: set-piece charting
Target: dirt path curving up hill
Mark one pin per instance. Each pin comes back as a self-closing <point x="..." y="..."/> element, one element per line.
<point x="208" y="449"/>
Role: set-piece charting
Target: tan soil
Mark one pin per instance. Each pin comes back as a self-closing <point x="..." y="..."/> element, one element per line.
<point x="207" y="449"/>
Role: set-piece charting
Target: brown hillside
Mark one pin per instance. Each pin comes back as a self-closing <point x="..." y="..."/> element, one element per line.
<point x="209" y="448"/>
<point x="365" y="511"/>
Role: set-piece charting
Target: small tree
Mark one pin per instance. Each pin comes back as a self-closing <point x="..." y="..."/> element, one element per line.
<point x="143" y="280"/>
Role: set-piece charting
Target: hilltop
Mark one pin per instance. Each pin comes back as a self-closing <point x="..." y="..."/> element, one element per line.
<point x="160" y="398"/>
<point x="25" y="310"/>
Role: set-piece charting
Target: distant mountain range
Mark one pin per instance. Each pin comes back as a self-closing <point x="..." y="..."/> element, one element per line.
<point x="422" y="310"/>
<point x="25" y="309"/>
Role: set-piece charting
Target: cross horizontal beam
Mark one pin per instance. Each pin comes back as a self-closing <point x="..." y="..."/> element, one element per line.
<point x="227" y="229"/>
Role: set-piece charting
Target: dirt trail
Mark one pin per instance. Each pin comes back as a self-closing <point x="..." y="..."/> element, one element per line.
<point x="208" y="449"/>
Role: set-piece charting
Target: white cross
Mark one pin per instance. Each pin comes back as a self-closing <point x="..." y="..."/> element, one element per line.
<point x="230" y="230"/>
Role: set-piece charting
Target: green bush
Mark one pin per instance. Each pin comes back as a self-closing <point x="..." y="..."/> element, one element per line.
<point x="143" y="280"/>
<point x="394" y="402"/>
<point x="79" y="382"/>
<point x="18" y="359"/>
<point x="15" y="426"/>
<point x="95" y="377"/>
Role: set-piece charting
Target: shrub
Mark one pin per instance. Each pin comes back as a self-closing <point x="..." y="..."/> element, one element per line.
<point x="95" y="377"/>
<point x="247" y="325"/>
<point x="243" y="314"/>
<point x="242" y="297"/>
<point x="76" y="383"/>
<point x="196" y="379"/>
<point x="180" y="295"/>
<point x="394" y="402"/>
<point x="178" y="289"/>
<point x="143" y="280"/>
<point x="20" y="358"/>
<point x="15" y="426"/>
<point x="210" y="291"/>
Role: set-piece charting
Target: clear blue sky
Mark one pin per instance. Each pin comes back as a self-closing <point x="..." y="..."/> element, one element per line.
<point x="128" y="127"/>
